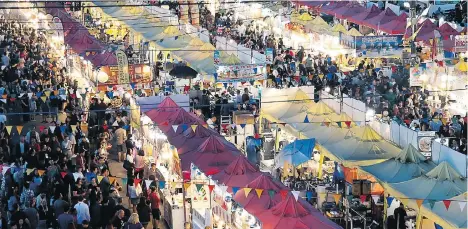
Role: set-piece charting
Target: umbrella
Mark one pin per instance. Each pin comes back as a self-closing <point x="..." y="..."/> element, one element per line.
<point x="184" y="72"/>
<point x="297" y="152"/>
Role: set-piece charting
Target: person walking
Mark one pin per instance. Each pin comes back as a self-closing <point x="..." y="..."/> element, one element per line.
<point x="144" y="212"/>
<point x="82" y="211"/>
<point x="133" y="222"/>
<point x="155" y="212"/>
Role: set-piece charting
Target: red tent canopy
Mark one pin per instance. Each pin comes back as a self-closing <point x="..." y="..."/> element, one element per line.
<point x="165" y="108"/>
<point x="348" y="10"/>
<point x="81" y="41"/>
<point x="330" y="8"/>
<point x="425" y="31"/>
<point x="290" y="213"/>
<point x="384" y="17"/>
<point x="238" y="173"/>
<point x="362" y="17"/>
<point x="447" y="30"/>
<point x="188" y="139"/>
<point x="178" y="122"/>
<point x="212" y="153"/>
<point x="269" y="198"/>
<point x="396" y="26"/>
<point x="105" y="59"/>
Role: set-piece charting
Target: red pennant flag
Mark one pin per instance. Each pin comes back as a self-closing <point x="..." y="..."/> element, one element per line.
<point x="283" y="123"/>
<point x="137" y="181"/>
<point x="41" y="128"/>
<point x="165" y="123"/>
<point x="224" y="126"/>
<point x="447" y="203"/>
<point x="284" y="193"/>
<point x="211" y="187"/>
<point x="12" y="99"/>
<point x="205" y="198"/>
<point x="407" y="121"/>
<point x="348" y="123"/>
<point x="440" y="63"/>
<point x="363" y="198"/>
<point x="257" y="136"/>
<point x="73" y="96"/>
<point x="326" y="124"/>
<point x="63" y="174"/>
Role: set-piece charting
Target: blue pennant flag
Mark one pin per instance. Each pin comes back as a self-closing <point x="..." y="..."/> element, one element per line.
<point x="234" y="190"/>
<point x="423" y="65"/>
<point x="255" y="70"/>
<point x="176" y="37"/>
<point x="339" y="124"/>
<point x="110" y="94"/>
<point x="126" y="127"/>
<point x="309" y="195"/>
<point x="63" y="128"/>
<point x="184" y="127"/>
<point x="132" y="85"/>
<point x="225" y="85"/>
<point x="389" y="201"/>
<point x="162" y="184"/>
<point x="242" y="125"/>
<point x="306" y="119"/>
<point x="124" y="181"/>
<point x="437" y="226"/>
<point x="38" y="94"/>
<point x="215" y="75"/>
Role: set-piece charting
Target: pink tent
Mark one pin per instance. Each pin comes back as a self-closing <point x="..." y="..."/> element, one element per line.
<point x="447" y="30"/>
<point x="348" y="10"/>
<point x="81" y="41"/>
<point x="269" y="198"/>
<point x="396" y="26"/>
<point x="212" y="153"/>
<point x="238" y="173"/>
<point x="178" y="122"/>
<point x="165" y="108"/>
<point x="364" y="16"/>
<point x="384" y="17"/>
<point x="189" y="140"/>
<point x="425" y="31"/>
<point x="330" y="8"/>
<point x="105" y="59"/>
<point x="290" y="213"/>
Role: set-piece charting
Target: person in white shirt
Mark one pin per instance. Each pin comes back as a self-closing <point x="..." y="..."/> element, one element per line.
<point x="82" y="211"/>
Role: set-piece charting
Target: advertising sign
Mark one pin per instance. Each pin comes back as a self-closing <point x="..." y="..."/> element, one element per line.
<point x="347" y="40"/>
<point x="425" y="142"/>
<point x="269" y="55"/>
<point x="240" y="73"/>
<point x="216" y="57"/>
<point x="415" y="77"/>
<point x="461" y="43"/>
<point x="138" y="73"/>
<point x="122" y="64"/>
<point x="390" y="46"/>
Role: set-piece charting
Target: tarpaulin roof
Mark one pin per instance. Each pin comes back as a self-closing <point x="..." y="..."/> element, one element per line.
<point x="426" y="30"/>
<point x="296" y="153"/>
<point x="104" y="59"/>
<point x="189" y="139"/>
<point x="150" y="103"/>
<point x="179" y="121"/>
<point x="81" y="41"/>
<point x="348" y="10"/>
<point x="312" y="3"/>
<point x="238" y="173"/>
<point x="384" y="17"/>
<point x="290" y="213"/>
<point x="366" y="15"/>
<point x="268" y="198"/>
<point x="330" y="8"/>
<point x="446" y="30"/>
<point x="455" y="214"/>
<point x="409" y="164"/>
<point x="396" y="26"/>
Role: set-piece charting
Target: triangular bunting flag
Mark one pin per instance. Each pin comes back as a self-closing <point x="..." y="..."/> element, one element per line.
<point x="73" y="128"/>
<point x="462" y="205"/>
<point x="47" y="93"/>
<point x="52" y="129"/>
<point x="174" y="127"/>
<point x="99" y="179"/>
<point x="437" y="226"/>
<point x="223" y="188"/>
<point x="271" y="193"/>
<point x="173" y="184"/>
<point x="63" y="174"/>
<point x="339" y="124"/>
<point x="29" y="171"/>
<point x="40" y="172"/>
<point x="8" y="128"/>
<point x="419" y="202"/>
<point x="389" y="201"/>
<point x="322" y="195"/>
<point x="295" y="194"/>
<point x="363" y="198"/>
<point x="186" y="185"/>
<point x="198" y="186"/>
<point x="327" y="124"/>
<point x="165" y="123"/>
<point x="432" y="203"/>
<point x="136" y="181"/>
<point x="124" y="181"/>
<point x="3" y="100"/>
<point x="447" y="203"/>
<point x="211" y="187"/>
<point x="111" y="180"/>
<point x="242" y="125"/>
<point x="162" y="184"/>
<point x="259" y="192"/>
<point x="348" y="124"/>
<point x="76" y="176"/>
<point x="234" y="190"/>
<point x="284" y="193"/>
<point x="309" y="195"/>
<point x="5" y="169"/>
<point x="306" y="119"/>
<point x="337" y="197"/>
<point x="357" y="123"/>
<point x="62" y="129"/>
<point x="205" y="125"/>
<point x="194" y="128"/>
<point x="184" y="127"/>
<point x="375" y="198"/>
<point x="43" y="98"/>
<point x="247" y="191"/>
<point x="148" y="183"/>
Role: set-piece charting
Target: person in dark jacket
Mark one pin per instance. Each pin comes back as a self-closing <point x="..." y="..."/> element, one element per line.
<point x="144" y="210"/>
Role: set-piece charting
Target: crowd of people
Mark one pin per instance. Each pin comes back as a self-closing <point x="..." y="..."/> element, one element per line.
<point x="55" y="172"/>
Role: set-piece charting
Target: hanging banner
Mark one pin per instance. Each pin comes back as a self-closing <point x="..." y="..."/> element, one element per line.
<point x="112" y="73"/>
<point x="425" y="142"/>
<point x="122" y="64"/>
<point x="269" y="56"/>
<point x="140" y="73"/>
<point x="347" y="40"/>
<point x="390" y="46"/>
<point x="216" y="57"/>
<point x="461" y="43"/>
<point x="415" y="77"/>
<point x="240" y="73"/>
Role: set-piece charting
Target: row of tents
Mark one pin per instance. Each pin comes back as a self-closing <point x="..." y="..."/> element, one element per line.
<point x="214" y="155"/>
<point x="399" y="171"/>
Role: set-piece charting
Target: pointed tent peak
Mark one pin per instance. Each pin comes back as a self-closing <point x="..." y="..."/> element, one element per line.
<point x="388" y="12"/>
<point x="202" y="132"/>
<point x="374" y="8"/>
<point x="319" y="21"/>
<point x="354" y="32"/>
<point x="213" y="144"/>
<point x="339" y="28"/>
<point x="444" y="171"/>
<point x="168" y="103"/>
<point x="240" y="166"/>
<point x="196" y="42"/>
<point x="402" y="17"/>
<point x="207" y="47"/>
<point x="171" y="30"/>
<point x="369" y="135"/>
<point x="265" y="181"/>
<point x="410" y="155"/>
<point x="305" y="17"/>
<point x="232" y="60"/>
<point x="182" y="117"/>
<point x="320" y="108"/>
<point x="300" y="96"/>
<point x="291" y="208"/>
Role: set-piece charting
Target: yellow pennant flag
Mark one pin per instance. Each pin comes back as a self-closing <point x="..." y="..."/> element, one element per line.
<point x="404" y="201"/>
<point x="173" y="184"/>
<point x="205" y="125"/>
<point x="186" y="185"/>
<point x="337" y="197"/>
<point x="43" y="98"/>
<point x="259" y="192"/>
<point x="47" y="93"/>
<point x="19" y="129"/>
<point x="84" y="128"/>
<point x="40" y="172"/>
<point x="8" y="128"/>
<point x="321" y="76"/>
<point x="247" y="191"/>
<point x="99" y="179"/>
<point x="419" y="202"/>
<point x="322" y="195"/>
<point x="29" y="171"/>
<point x="111" y="180"/>
<point x="73" y="128"/>
<point x="194" y="127"/>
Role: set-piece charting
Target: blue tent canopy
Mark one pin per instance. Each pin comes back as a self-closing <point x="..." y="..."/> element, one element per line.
<point x="296" y="153"/>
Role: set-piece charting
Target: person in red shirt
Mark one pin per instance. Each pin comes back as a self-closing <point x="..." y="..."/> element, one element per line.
<point x="154" y="200"/>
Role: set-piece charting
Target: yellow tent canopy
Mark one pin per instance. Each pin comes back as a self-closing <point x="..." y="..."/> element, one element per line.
<point x="305" y="17"/>
<point x="354" y="32"/>
<point x="196" y="42"/>
<point x="339" y="28"/>
<point x="231" y="60"/>
<point x="461" y="66"/>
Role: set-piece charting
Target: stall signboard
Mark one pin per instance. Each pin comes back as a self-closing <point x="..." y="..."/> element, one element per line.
<point x="347" y="40"/>
<point x="425" y="142"/>
<point x="216" y="57"/>
<point x="112" y="72"/>
<point x="390" y="46"/>
<point x="138" y="73"/>
<point x="122" y="65"/>
<point x="269" y="55"/>
<point x="415" y="77"/>
<point x="240" y="73"/>
<point x="461" y="43"/>
<point x="200" y="196"/>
